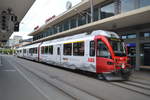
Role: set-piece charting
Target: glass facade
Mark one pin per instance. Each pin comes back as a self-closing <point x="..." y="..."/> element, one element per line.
<point x="123" y="37"/>
<point x="73" y="23"/>
<point x="144" y="3"/>
<point x="96" y="14"/>
<point x="101" y="11"/>
<point x="81" y="20"/>
<point x="108" y="11"/>
<point x="60" y="27"/>
<point x="66" y="25"/>
<point x="127" y="5"/>
<point x="146" y="34"/>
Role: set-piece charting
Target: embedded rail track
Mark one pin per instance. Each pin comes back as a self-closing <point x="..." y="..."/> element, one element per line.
<point x="135" y="86"/>
<point x="78" y="92"/>
<point x="62" y="85"/>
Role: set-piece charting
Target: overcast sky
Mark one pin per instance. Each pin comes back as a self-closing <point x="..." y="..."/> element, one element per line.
<point x="39" y="12"/>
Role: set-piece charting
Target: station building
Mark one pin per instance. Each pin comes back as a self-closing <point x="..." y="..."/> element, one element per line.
<point x="129" y="18"/>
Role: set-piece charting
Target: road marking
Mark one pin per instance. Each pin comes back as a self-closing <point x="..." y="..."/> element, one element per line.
<point x="9" y="70"/>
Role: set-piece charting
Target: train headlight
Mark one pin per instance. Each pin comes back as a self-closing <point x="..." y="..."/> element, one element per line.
<point x="123" y="65"/>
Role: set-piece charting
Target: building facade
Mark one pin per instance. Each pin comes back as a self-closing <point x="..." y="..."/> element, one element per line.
<point x="129" y="18"/>
<point x="12" y="42"/>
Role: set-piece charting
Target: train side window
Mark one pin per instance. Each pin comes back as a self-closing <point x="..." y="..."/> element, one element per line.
<point x="24" y="50"/>
<point x="42" y="50"/>
<point x="30" y="50"/>
<point x="102" y="50"/>
<point x="36" y="50"/>
<point x="33" y="50"/>
<point x="46" y="49"/>
<point x="51" y="49"/>
<point x="68" y="49"/>
<point x="92" y="48"/>
<point x="58" y="51"/>
<point x="78" y="49"/>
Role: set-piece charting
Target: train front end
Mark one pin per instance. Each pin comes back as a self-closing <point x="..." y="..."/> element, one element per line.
<point x="111" y="60"/>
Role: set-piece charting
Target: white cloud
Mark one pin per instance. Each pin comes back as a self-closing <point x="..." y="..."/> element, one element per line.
<point x="39" y="12"/>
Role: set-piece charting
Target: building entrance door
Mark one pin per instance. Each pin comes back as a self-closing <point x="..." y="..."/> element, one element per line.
<point x="132" y="53"/>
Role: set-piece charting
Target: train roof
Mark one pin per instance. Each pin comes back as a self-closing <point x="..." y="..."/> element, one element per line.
<point x="80" y="37"/>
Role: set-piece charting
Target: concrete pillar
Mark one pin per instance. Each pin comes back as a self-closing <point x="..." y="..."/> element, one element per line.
<point x="138" y="51"/>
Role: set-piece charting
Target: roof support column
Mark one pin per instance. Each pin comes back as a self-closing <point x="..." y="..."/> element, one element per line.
<point x="91" y="3"/>
<point x="138" y="51"/>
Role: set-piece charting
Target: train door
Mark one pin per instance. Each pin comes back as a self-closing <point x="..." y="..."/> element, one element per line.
<point x="39" y="52"/>
<point x="103" y="57"/>
<point x="58" y="53"/>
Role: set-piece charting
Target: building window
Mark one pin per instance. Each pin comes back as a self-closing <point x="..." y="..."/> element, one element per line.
<point x="127" y="5"/>
<point x="50" y="31"/>
<point x="124" y="37"/>
<point x="78" y="49"/>
<point x="144" y="3"/>
<point x="96" y="14"/>
<point x="81" y="20"/>
<point x="66" y="25"/>
<point x="92" y="48"/>
<point x="88" y="16"/>
<point x="47" y="34"/>
<point x="68" y="49"/>
<point x="60" y="28"/>
<point x="55" y="29"/>
<point x="132" y="36"/>
<point x="50" y="49"/>
<point x="108" y="11"/>
<point x="73" y="23"/>
<point x="146" y="34"/>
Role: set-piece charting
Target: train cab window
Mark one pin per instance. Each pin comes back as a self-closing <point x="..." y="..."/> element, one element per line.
<point x="58" y="51"/>
<point x="102" y="50"/>
<point x="92" y="48"/>
<point x="50" y="49"/>
<point x="68" y="49"/>
<point x="46" y="49"/>
<point x="78" y="49"/>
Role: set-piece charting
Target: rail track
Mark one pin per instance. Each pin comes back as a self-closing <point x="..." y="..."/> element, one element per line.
<point x="136" y="86"/>
<point x="62" y="85"/>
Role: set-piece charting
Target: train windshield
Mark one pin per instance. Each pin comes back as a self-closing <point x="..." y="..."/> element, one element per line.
<point x="118" y="47"/>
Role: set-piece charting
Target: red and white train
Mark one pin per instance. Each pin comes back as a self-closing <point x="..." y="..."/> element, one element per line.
<point x="100" y="52"/>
